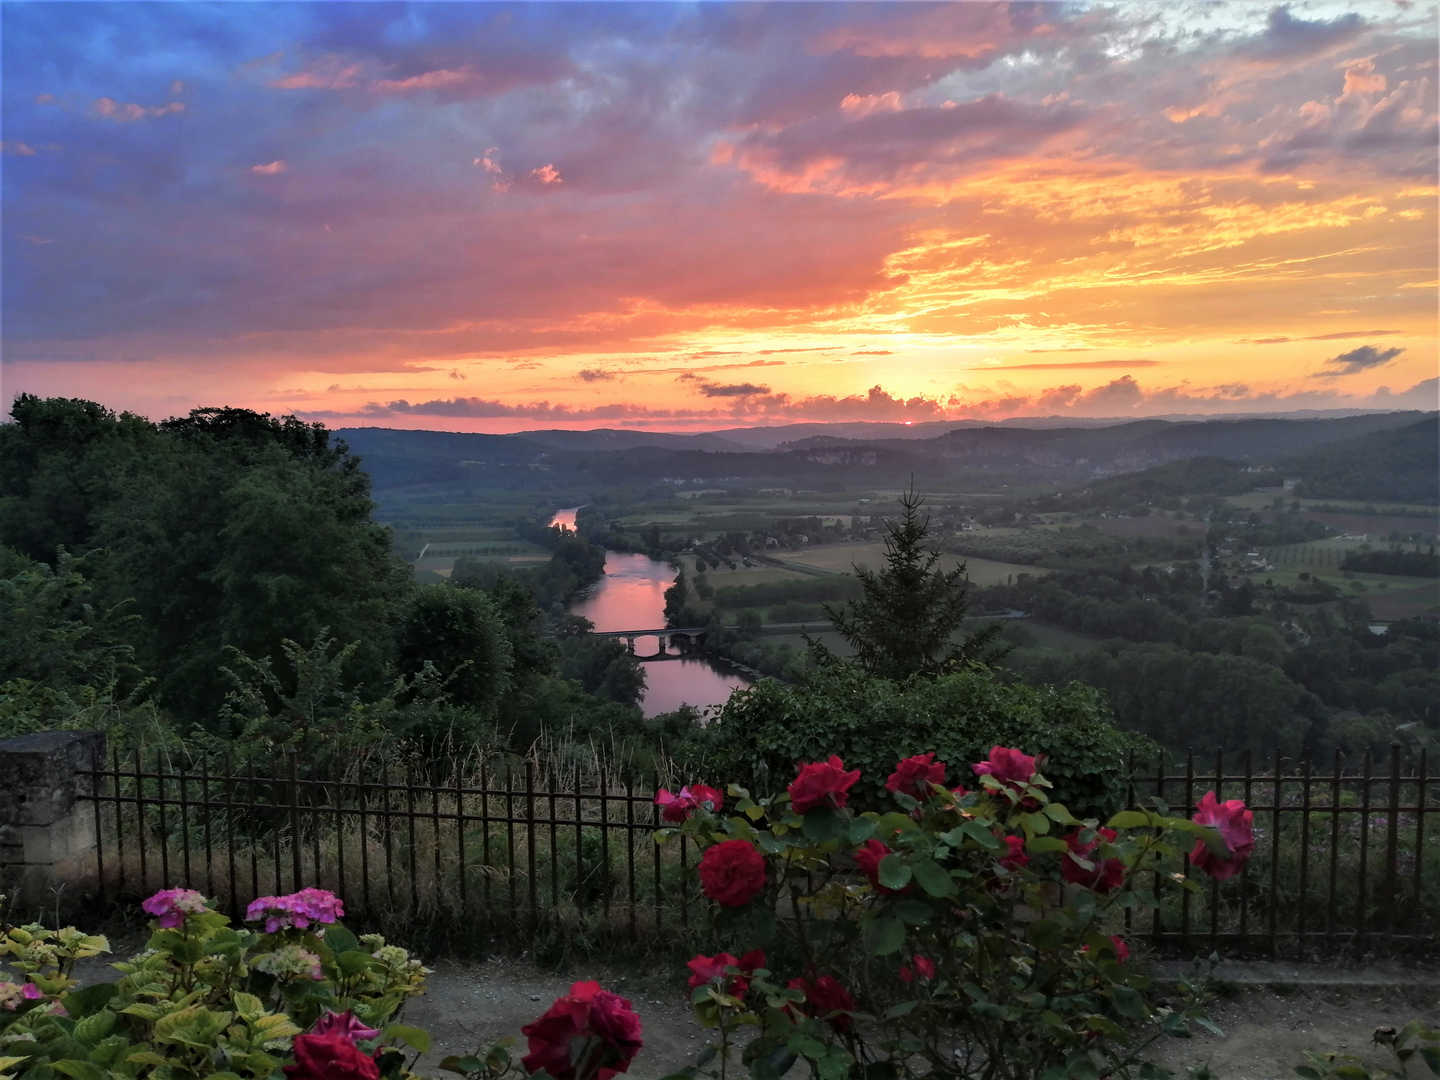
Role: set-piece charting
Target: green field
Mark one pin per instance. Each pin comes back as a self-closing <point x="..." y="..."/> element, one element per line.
<point x="838" y="558"/>
<point x="1261" y="498"/>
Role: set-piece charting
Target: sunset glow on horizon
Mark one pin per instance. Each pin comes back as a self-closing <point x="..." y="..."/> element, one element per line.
<point x="482" y="217"/>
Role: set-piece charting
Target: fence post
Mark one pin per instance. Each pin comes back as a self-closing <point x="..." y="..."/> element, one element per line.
<point x="46" y="838"/>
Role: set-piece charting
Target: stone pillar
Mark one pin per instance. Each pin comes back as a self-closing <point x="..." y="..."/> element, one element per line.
<point x="47" y="832"/>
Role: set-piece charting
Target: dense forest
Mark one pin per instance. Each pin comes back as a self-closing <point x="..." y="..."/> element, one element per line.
<point x="218" y="579"/>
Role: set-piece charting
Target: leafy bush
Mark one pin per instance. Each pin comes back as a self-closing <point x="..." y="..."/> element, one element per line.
<point x="205" y="999"/>
<point x="946" y="934"/>
<point x="870" y="722"/>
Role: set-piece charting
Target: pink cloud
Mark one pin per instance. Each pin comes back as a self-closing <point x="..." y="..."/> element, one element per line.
<point x="19" y="149"/>
<point x="865" y="104"/>
<point x="547" y="174"/>
<point x="125" y="113"/>
<point x="325" y="76"/>
<point x="270" y="168"/>
<point x="440" y="79"/>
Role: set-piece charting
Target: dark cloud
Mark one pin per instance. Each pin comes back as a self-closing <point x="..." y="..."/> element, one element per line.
<point x="743" y="389"/>
<point x="1356" y="360"/>
<point x="1343" y="335"/>
<point x="595" y="374"/>
<point x="1288" y="38"/>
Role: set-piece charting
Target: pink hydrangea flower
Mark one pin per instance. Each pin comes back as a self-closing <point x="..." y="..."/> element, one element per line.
<point x="298" y="909"/>
<point x="170" y="906"/>
<point x="1236" y="825"/>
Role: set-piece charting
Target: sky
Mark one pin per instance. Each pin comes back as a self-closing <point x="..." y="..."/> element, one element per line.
<point x="493" y="217"/>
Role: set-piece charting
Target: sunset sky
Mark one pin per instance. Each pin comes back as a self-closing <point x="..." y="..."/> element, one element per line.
<point x="684" y="216"/>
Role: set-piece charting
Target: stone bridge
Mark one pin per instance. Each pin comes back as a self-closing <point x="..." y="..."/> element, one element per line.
<point x="686" y="640"/>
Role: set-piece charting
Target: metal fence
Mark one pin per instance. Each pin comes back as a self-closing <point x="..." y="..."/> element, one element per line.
<point x="1340" y="861"/>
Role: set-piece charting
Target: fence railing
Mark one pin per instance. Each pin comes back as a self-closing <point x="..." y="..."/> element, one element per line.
<point x="1340" y="859"/>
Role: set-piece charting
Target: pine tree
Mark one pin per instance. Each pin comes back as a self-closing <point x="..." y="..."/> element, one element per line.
<point x="907" y="620"/>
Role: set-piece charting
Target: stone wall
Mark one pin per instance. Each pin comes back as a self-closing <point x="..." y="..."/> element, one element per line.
<point x="47" y="830"/>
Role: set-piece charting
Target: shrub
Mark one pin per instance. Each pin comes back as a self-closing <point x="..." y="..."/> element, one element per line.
<point x="870" y="722"/>
<point x="205" y="999"/>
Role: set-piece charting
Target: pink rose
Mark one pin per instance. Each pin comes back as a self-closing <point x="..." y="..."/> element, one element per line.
<point x="732" y="873"/>
<point x="822" y="783"/>
<point x="1236" y="826"/>
<point x="678" y="807"/>
<point x="589" y="1034"/>
<point x="914" y="775"/>
<point x="1010" y="767"/>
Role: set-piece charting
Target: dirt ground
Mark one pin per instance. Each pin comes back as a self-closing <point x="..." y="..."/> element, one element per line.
<point x="1266" y="1031"/>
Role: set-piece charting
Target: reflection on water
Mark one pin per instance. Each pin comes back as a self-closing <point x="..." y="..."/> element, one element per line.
<point x="631" y="596"/>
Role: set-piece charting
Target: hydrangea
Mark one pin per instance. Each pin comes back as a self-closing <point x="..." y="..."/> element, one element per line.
<point x="298" y="909"/>
<point x="170" y="906"/>
<point x="13" y="994"/>
<point x="290" y="961"/>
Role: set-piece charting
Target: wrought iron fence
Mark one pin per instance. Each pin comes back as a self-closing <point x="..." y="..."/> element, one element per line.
<point x="1340" y="860"/>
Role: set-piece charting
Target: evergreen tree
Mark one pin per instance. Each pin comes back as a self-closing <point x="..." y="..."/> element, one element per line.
<point x="908" y="617"/>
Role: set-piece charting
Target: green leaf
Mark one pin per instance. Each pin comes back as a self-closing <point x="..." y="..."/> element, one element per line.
<point x="1057" y="813"/>
<point x="887" y="935"/>
<point x="1308" y="1072"/>
<point x="1128" y="1003"/>
<point x="894" y="872"/>
<point x="1132" y="819"/>
<point x="861" y="829"/>
<point x="934" y="879"/>
<point x="904" y="1008"/>
<point x="1431" y="1056"/>
<point x="805" y="1045"/>
<point x="79" y="1070"/>
<point x="81" y="1003"/>
<point x="1081" y="1068"/>
<point x="1035" y="824"/>
<point x="94" y="1028"/>
<point x="341" y="940"/>
<point x="823" y="825"/>
<point x="981" y="835"/>
<point x="1040" y="845"/>
<point x="462" y="1065"/>
<point x="914" y="912"/>
<point x="1209" y="1025"/>
<point x="354" y="963"/>
<point x="1046" y="934"/>
<point x="413" y="1037"/>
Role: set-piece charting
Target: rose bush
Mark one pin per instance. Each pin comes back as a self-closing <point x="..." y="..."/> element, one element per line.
<point x="946" y="934"/>
<point x="304" y="997"/>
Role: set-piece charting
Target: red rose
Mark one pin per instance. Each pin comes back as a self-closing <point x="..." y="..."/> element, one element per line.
<point x="826" y="1000"/>
<point x="678" y="807"/>
<point x="713" y="969"/>
<point x="914" y="775"/>
<point x="868" y="859"/>
<point x="589" y="1034"/>
<point x="1107" y="875"/>
<point x="1015" y="856"/>
<point x="732" y="873"/>
<point x="924" y="968"/>
<point x="1010" y="767"/>
<point x="822" y="783"/>
<point x="1237" y="829"/>
<point x="330" y="1057"/>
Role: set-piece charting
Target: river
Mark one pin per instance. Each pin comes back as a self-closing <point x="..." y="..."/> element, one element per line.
<point x="631" y="596"/>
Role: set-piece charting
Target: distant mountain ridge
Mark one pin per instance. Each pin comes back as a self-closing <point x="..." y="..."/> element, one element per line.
<point x="1050" y="454"/>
